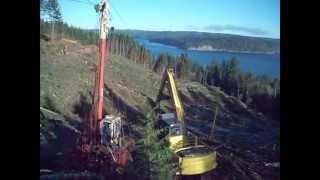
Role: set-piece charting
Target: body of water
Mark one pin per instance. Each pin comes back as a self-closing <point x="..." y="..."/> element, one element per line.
<point x="268" y="64"/>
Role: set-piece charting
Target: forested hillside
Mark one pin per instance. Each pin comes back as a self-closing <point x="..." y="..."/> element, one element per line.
<point x="259" y="92"/>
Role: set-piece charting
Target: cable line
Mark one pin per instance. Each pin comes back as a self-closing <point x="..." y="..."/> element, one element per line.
<point x="118" y="14"/>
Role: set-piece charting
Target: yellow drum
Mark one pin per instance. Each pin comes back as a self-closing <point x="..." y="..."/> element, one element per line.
<point x="196" y="160"/>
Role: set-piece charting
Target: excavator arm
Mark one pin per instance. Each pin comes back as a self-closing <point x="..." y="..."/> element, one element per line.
<point x="169" y="80"/>
<point x="193" y="159"/>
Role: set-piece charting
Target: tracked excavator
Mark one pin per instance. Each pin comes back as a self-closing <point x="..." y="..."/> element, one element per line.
<point x="192" y="159"/>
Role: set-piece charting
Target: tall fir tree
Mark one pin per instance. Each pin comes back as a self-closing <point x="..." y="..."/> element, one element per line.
<point x="53" y="11"/>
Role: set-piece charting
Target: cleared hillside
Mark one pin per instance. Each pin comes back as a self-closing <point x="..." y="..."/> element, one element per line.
<point x="67" y="79"/>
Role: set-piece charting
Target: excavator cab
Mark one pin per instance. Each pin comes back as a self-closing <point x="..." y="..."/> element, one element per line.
<point x="111" y="130"/>
<point x="174" y="129"/>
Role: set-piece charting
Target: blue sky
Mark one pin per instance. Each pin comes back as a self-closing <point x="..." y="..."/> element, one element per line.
<point x="245" y="17"/>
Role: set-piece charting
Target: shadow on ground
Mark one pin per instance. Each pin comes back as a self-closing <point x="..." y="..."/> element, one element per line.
<point x="59" y="134"/>
<point x="131" y="113"/>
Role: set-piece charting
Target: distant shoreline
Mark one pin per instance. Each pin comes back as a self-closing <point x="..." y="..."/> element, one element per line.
<point x="230" y="51"/>
<point x="205" y="57"/>
<point x="210" y="49"/>
<point x="206" y="48"/>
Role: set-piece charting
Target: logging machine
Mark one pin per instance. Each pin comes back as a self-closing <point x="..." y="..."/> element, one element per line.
<point x="192" y="159"/>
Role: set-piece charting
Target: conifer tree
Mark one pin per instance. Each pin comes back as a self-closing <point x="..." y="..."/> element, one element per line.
<point x="52" y="9"/>
<point x="153" y="156"/>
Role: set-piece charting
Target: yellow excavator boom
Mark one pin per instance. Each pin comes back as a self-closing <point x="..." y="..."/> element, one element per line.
<point x="168" y="81"/>
<point x="169" y="77"/>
